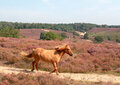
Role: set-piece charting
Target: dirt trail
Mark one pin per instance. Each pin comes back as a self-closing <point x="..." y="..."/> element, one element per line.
<point x="74" y="76"/>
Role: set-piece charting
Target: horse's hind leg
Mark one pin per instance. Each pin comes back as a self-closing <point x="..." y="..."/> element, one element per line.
<point x="53" y="71"/>
<point x="33" y="64"/>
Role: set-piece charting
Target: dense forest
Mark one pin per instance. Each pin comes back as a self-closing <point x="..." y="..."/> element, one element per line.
<point x="62" y="27"/>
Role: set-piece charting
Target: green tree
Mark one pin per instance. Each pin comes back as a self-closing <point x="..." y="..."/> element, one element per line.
<point x="118" y="40"/>
<point x="9" y="32"/>
<point x="86" y="36"/>
<point x="98" y="39"/>
<point x="42" y="35"/>
<point x="75" y="33"/>
<point x="63" y="35"/>
<point x="83" y="27"/>
<point x="52" y="36"/>
<point x="108" y="38"/>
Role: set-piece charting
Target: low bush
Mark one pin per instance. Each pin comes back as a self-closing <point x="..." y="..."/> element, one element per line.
<point x="118" y="40"/>
<point x="75" y="33"/>
<point x="52" y="36"/>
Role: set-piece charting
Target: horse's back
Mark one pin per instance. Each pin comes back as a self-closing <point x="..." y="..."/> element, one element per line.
<point x="42" y="54"/>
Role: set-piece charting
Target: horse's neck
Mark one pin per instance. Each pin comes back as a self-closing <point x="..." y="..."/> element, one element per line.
<point x="61" y="53"/>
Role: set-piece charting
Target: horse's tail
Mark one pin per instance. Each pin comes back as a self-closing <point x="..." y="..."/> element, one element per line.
<point x="26" y="55"/>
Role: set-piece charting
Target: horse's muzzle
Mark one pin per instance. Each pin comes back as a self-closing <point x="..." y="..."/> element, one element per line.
<point x="71" y="54"/>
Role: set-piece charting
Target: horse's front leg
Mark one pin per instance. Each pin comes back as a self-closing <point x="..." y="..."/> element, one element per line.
<point x="55" y="68"/>
<point x="33" y="64"/>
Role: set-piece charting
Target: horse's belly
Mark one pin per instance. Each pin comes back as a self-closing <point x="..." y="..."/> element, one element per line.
<point x="46" y="58"/>
<point x="49" y="58"/>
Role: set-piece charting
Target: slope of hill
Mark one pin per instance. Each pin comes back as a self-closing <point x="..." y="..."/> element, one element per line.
<point x="35" y="33"/>
<point x="109" y="34"/>
<point x="96" y="30"/>
<point x="88" y="57"/>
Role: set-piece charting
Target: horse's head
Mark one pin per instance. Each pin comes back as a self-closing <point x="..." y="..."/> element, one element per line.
<point x="68" y="50"/>
<point x="65" y="49"/>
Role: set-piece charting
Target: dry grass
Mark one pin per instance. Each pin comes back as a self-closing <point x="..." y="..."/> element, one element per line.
<point x="42" y="79"/>
<point x="88" y="57"/>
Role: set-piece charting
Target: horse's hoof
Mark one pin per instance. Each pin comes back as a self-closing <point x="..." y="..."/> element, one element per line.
<point x="32" y="70"/>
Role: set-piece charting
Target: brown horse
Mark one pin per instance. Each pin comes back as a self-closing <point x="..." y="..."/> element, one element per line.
<point x="50" y="56"/>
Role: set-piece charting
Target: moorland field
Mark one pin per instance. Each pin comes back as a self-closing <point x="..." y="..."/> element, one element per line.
<point x="89" y="57"/>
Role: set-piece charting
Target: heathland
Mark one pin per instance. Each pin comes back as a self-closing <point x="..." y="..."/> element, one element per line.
<point x="89" y="56"/>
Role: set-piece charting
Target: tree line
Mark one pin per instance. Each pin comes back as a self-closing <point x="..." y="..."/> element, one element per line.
<point x="61" y="27"/>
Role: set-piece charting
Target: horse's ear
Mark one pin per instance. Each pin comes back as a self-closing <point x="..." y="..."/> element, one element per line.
<point x="66" y="45"/>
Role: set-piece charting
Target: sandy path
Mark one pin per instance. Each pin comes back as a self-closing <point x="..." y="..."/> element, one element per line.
<point x="74" y="76"/>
